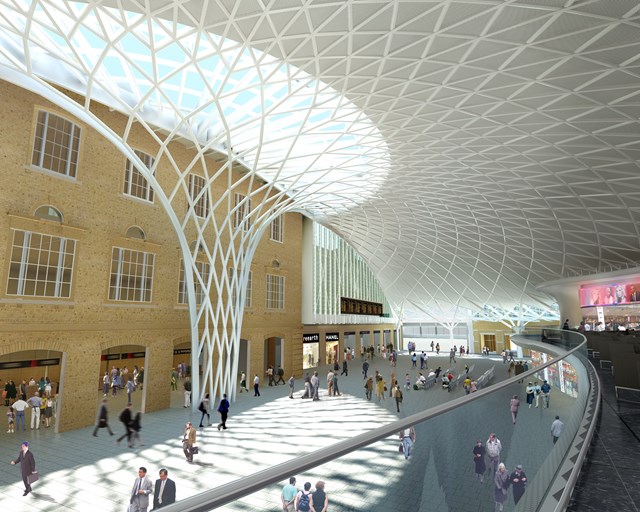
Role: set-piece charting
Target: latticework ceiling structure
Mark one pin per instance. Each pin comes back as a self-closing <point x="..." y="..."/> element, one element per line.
<point x="469" y="150"/>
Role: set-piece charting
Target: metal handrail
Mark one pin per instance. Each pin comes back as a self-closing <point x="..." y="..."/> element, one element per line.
<point x="242" y="487"/>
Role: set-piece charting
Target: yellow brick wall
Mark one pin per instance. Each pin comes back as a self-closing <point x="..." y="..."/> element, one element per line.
<point x="97" y="214"/>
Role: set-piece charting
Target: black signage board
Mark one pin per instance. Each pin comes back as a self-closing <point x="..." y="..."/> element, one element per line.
<point x="332" y="336"/>
<point x="311" y="338"/>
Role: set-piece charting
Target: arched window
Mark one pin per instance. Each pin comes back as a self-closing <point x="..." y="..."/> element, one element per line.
<point x="48" y="212"/>
<point x="136" y="232"/>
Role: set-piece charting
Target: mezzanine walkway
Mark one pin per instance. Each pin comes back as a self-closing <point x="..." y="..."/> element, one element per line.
<point x="81" y="473"/>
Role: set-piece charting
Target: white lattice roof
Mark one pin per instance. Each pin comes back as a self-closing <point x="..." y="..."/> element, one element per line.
<point x="469" y="150"/>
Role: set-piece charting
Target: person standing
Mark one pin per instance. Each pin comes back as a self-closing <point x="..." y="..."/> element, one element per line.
<point x="291" y="383"/>
<point x="11" y="420"/>
<point x="546" y="392"/>
<point x="223" y="409"/>
<point x="307" y="386"/>
<point x="164" y="490"/>
<point x="494" y="447"/>
<point x="513" y="407"/>
<point x="518" y="481"/>
<point x="501" y="481"/>
<point x="345" y="368"/>
<point x="303" y="498"/>
<point x="408" y="438"/>
<point x="142" y="487"/>
<point x="243" y="382"/>
<point x="315" y="386"/>
<point x="365" y="368"/>
<point x="187" y="392"/>
<point x="103" y="419"/>
<point x="537" y="391"/>
<point x="556" y="429"/>
<point x="19" y="406"/>
<point x="130" y="386"/>
<point x="35" y="402"/>
<point x="336" y="389"/>
<point x="380" y="388"/>
<point x="188" y="441"/>
<point x="319" y="499"/>
<point x="478" y="459"/>
<point x="126" y="418"/>
<point x="288" y="495"/>
<point x="330" y="383"/>
<point x="27" y="466"/>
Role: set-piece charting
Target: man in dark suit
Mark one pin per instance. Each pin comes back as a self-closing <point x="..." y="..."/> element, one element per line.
<point x="165" y="491"/>
<point x="27" y="466"/>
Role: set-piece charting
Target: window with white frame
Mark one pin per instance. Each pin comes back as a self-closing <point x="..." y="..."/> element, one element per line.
<point x="275" y="292"/>
<point x="242" y="205"/>
<point x="131" y="275"/>
<point x="199" y="195"/>
<point x="56" y="145"/>
<point x="277" y="229"/>
<point x="249" y="290"/>
<point x="135" y="184"/>
<point x="41" y="265"/>
<point x="203" y="271"/>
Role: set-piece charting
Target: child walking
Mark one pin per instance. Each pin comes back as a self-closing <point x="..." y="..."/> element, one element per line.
<point x="11" y="417"/>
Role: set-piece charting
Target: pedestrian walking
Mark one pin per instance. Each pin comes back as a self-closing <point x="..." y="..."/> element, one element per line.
<point x="256" y="385"/>
<point x="223" y="409"/>
<point x="408" y="439"/>
<point x="187" y="392"/>
<point x="280" y="374"/>
<point x="365" y="368"/>
<point x="35" y="402"/>
<point x="397" y="394"/>
<point x="501" y="481"/>
<point x="556" y="429"/>
<point x="291" y="383"/>
<point x="518" y="481"/>
<point x="537" y="391"/>
<point x="103" y="419"/>
<point x="546" y="393"/>
<point x="130" y="387"/>
<point x="345" y="368"/>
<point x="203" y="407"/>
<point x="494" y="447"/>
<point x="530" y="394"/>
<point x="164" y="490"/>
<point x="243" y="382"/>
<point x="126" y="418"/>
<point x="368" y="386"/>
<point x="142" y="487"/>
<point x="189" y="441"/>
<point x="478" y="460"/>
<point x="136" y="427"/>
<point x="513" y="407"/>
<point x="27" y="467"/>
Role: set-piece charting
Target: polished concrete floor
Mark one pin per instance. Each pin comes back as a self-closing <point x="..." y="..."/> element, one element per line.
<point x="83" y="473"/>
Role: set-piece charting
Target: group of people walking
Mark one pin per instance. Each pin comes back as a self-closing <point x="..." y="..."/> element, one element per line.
<point x="304" y="500"/>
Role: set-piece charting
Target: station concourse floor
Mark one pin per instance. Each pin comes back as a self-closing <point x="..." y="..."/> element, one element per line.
<point x="82" y="473"/>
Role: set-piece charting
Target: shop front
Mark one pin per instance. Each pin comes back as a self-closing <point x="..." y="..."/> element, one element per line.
<point x="310" y="350"/>
<point x="332" y="347"/>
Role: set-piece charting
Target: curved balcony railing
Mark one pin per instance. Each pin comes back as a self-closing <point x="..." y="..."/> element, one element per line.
<point x="366" y="472"/>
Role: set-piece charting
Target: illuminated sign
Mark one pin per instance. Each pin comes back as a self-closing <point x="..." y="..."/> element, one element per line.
<point x="609" y="294"/>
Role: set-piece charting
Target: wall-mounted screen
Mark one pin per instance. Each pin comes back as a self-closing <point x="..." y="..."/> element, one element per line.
<point x="609" y="294"/>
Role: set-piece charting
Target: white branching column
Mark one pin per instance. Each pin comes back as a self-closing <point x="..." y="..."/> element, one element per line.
<point x="232" y="136"/>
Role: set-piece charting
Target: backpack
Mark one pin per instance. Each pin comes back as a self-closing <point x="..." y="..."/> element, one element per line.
<point x="201" y="407"/>
<point x="303" y="501"/>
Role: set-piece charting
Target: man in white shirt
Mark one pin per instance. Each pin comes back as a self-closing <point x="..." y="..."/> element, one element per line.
<point x="142" y="487"/>
<point x="556" y="429"/>
<point x="165" y="491"/>
<point x="19" y="406"/>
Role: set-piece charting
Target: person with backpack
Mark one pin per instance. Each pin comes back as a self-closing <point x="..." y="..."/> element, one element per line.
<point x="303" y="499"/>
<point x="280" y="374"/>
<point x="204" y="409"/>
<point x="223" y="409"/>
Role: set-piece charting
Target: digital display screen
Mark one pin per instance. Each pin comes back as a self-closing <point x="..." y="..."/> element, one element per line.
<point x="609" y="294"/>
